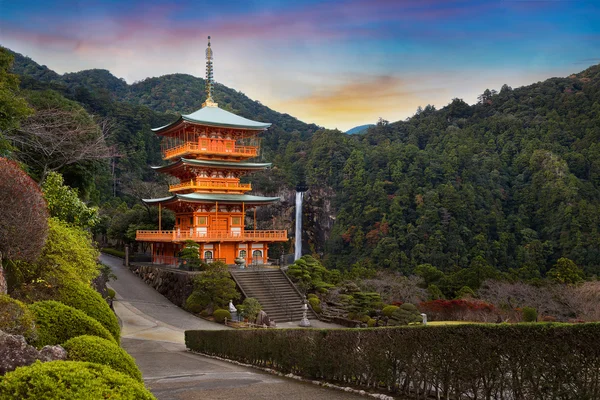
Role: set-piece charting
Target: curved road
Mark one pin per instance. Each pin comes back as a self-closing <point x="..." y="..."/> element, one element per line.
<point x="152" y="332"/>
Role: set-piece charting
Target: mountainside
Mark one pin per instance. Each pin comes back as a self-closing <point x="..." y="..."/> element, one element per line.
<point x="359" y="129"/>
<point x="511" y="183"/>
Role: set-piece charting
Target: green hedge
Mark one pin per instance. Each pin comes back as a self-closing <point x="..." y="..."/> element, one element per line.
<point x="57" y="323"/>
<point x="86" y="299"/>
<point x="523" y="361"/>
<point x="113" y="252"/>
<point x="16" y="318"/>
<point x="102" y="351"/>
<point x="70" y="380"/>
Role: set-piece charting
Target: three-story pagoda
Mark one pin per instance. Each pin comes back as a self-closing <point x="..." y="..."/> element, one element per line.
<point x="208" y="151"/>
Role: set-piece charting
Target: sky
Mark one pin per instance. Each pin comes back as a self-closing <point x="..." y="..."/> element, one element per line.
<point x="334" y="63"/>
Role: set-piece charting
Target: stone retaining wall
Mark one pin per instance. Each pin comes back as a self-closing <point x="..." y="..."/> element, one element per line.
<point x="175" y="285"/>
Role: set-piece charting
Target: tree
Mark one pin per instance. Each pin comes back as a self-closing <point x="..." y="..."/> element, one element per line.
<point x="405" y="315"/>
<point x="566" y="271"/>
<point x="64" y="203"/>
<point x="60" y="133"/>
<point x="214" y="287"/>
<point x="23" y="217"/>
<point x="13" y="107"/>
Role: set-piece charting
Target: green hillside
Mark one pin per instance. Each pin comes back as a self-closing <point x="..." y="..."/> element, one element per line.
<point x="511" y="183"/>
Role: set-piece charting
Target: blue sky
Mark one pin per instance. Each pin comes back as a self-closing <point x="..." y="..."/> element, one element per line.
<point x="338" y="64"/>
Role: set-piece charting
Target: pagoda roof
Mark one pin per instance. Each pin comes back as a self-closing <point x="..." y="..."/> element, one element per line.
<point x="213" y="198"/>
<point x="212" y="164"/>
<point x="214" y="116"/>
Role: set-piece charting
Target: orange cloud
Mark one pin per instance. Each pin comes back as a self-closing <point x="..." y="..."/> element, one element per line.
<point x="354" y="103"/>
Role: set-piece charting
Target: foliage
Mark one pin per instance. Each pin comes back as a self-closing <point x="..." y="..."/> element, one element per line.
<point x="57" y="323"/>
<point x="458" y="310"/>
<point x="23" y="224"/>
<point x="64" y="203"/>
<point x="68" y="254"/>
<point x="214" y="287"/>
<point x="111" y="293"/>
<point x="434" y="293"/>
<point x="250" y="307"/>
<point x="190" y="254"/>
<point x="315" y="304"/>
<point x="196" y="302"/>
<point x="530" y="314"/>
<point x="101" y="351"/>
<point x="566" y="271"/>
<point x="70" y="380"/>
<point x="16" y="318"/>
<point x="311" y="275"/>
<point x="221" y="314"/>
<point x="465" y="291"/>
<point x="113" y="252"/>
<point x="86" y="299"/>
<point x="13" y="107"/>
<point x="459" y="361"/>
<point x="406" y="314"/>
<point x="389" y="310"/>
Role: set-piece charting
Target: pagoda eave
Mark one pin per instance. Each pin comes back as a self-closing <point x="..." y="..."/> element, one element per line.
<point x="213" y="198"/>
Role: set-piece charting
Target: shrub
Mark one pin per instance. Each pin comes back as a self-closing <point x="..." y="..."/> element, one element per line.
<point x="250" y="308"/>
<point x="371" y="322"/>
<point x="529" y="314"/>
<point x="16" y="318"/>
<point x="405" y="314"/>
<point x="221" y="314"/>
<point x="77" y="295"/>
<point x="101" y="351"/>
<point x="389" y="310"/>
<point x="312" y="296"/>
<point x="70" y="380"/>
<point x="113" y="252"/>
<point x="57" y="323"/>
<point x="215" y="286"/>
<point x="315" y="303"/>
<point x="456" y="361"/>
<point x="195" y="303"/>
<point x="111" y="293"/>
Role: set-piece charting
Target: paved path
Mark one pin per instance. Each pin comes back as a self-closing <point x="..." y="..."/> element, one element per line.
<point x="152" y="332"/>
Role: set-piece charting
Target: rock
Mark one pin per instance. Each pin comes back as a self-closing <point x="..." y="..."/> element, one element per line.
<point x="262" y="319"/>
<point x="53" y="353"/>
<point x="15" y="352"/>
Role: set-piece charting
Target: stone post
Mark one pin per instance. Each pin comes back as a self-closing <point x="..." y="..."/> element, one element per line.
<point x="126" y="261"/>
<point x="424" y="316"/>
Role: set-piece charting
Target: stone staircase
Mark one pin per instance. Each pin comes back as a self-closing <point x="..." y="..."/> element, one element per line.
<point x="274" y="291"/>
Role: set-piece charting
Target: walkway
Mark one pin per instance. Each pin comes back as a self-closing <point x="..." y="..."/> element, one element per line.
<point x="152" y="332"/>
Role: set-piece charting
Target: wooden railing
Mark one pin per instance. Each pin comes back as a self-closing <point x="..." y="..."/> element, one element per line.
<point x="212" y="148"/>
<point x="214" y="236"/>
<point x="212" y="185"/>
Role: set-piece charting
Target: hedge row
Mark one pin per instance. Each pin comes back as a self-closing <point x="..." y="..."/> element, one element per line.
<point x="525" y="361"/>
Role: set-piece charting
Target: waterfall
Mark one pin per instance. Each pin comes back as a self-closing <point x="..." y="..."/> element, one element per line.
<point x="298" y="243"/>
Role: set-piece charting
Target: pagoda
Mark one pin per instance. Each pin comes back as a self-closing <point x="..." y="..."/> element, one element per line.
<point x="208" y="151"/>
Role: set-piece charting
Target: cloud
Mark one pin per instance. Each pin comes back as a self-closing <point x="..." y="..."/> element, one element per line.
<point x="363" y="100"/>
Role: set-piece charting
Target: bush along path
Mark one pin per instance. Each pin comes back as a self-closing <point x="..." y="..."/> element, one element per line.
<point x="523" y="361"/>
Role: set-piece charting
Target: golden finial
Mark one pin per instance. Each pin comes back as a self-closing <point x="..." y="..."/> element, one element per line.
<point x="209" y="78"/>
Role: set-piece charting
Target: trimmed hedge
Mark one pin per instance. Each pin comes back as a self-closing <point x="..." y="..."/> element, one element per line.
<point x="70" y="380"/>
<point x="57" y="323"/>
<point x="523" y="361"/>
<point x="113" y="252"/>
<point x="16" y="318"/>
<point x="86" y="299"/>
<point x="221" y="314"/>
<point x="101" y="351"/>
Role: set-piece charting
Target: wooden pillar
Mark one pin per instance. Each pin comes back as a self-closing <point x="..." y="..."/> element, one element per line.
<point x="159" y="217"/>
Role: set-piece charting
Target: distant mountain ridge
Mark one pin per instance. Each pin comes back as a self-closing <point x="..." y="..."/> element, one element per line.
<point x="359" y="129"/>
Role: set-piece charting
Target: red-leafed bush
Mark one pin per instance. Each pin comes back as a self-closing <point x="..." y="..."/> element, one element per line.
<point x="459" y="310"/>
<point x="23" y="214"/>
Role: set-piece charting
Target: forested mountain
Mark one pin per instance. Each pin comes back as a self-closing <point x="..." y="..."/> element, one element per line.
<point x="511" y="183"/>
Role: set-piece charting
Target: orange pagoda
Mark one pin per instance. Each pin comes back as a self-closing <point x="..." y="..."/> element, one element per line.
<point x="208" y="151"/>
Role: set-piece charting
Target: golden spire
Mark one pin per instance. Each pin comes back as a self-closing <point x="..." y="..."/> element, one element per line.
<point x="209" y="78"/>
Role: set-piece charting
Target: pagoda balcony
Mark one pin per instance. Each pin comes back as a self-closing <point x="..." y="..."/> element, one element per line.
<point x="214" y="236"/>
<point x="211" y="185"/>
<point x="213" y="148"/>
